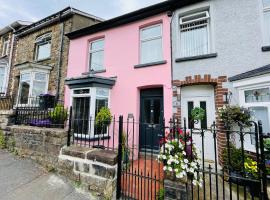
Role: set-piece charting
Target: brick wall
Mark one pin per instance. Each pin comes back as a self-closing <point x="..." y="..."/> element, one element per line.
<point x="219" y="101"/>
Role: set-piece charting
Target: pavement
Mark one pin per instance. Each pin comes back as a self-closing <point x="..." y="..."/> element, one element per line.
<point x="22" y="179"/>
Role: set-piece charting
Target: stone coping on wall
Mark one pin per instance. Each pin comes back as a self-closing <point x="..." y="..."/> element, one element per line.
<point x="98" y="155"/>
<point x="52" y="132"/>
<point x="6" y="112"/>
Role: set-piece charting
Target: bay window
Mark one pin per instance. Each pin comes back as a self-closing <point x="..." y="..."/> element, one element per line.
<point x="96" y="55"/>
<point x="32" y="84"/>
<point x="86" y="103"/>
<point x="151" y="44"/>
<point x="266" y="13"/>
<point x="194" y="34"/>
<point x="3" y="77"/>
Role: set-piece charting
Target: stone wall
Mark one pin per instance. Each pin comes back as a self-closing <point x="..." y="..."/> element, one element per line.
<point x="40" y="144"/>
<point x="95" y="170"/>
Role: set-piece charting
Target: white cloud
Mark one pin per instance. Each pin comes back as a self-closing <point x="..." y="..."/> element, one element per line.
<point x="7" y="10"/>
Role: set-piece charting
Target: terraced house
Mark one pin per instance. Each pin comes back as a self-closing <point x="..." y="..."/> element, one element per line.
<point x="40" y="60"/>
<point x="7" y="51"/>
<point x="214" y="44"/>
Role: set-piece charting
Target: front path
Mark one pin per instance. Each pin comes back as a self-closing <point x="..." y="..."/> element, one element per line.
<point x="22" y="179"/>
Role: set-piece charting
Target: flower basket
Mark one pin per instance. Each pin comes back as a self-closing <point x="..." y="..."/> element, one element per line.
<point x="181" y="159"/>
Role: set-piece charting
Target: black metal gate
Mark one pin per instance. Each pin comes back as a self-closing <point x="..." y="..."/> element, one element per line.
<point x="226" y="168"/>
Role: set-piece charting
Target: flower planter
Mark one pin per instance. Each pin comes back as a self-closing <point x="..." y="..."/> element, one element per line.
<point x="40" y="122"/>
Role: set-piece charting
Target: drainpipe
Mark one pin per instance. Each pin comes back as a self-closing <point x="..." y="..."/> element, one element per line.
<point x="59" y="66"/>
<point x="10" y="60"/>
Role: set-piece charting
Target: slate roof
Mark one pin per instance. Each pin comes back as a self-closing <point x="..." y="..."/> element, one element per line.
<point x="252" y="73"/>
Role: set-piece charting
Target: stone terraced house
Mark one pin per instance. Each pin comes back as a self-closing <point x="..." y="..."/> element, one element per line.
<point x="40" y="61"/>
<point x="7" y="49"/>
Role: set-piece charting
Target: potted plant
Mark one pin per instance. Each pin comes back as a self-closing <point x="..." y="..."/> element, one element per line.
<point x="234" y="166"/>
<point x="102" y="121"/>
<point x="234" y="114"/>
<point x="181" y="159"/>
<point x="58" y="116"/>
<point x="197" y="114"/>
<point x="251" y="169"/>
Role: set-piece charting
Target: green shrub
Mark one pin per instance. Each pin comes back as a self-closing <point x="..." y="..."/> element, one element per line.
<point x="103" y="117"/>
<point x="235" y="158"/>
<point x="161" y="194"/>
<point x="3" y="143"/>
<point x="59" y="114"/>
<point x="234" y="114"/>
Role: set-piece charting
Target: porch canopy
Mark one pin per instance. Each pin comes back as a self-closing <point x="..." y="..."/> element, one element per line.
<point x="90" y="80"/>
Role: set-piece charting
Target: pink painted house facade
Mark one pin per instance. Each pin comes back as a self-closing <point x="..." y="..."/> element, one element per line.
<point x="126" y="67"/>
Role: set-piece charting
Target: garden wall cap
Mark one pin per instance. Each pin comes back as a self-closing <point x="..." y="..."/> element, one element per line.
<point x="104" y="156"/>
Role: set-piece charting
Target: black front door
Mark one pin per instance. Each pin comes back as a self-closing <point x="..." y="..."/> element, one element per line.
<point x="151" y="116"/>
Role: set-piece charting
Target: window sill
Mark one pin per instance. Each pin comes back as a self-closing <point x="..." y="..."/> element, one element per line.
<point x="94" y="72"/>
<point x="41" y="60"/>
<point x="150" y="64"/>
<point x="205" y="56"/>
<point x="266" y="48"/>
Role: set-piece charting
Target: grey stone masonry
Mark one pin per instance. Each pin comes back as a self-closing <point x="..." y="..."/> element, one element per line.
<point x="40" y="144"/>
<point x="94" y="169"/>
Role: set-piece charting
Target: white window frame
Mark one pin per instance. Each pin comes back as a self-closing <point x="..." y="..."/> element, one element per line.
<point x="5" y="46"/>
<point x="150" y="39"/>
<point x="266" y="10"/>
<point x="192" y="21"/>
<point x="3" y="90"/>
<point x="32" y="73"/>
<point x="95" y="51"/>
<point x="259" y="82"/>
<point x="92" y="108"/>
<point x="42" y="40"/>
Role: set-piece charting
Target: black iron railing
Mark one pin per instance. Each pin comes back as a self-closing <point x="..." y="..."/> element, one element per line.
<point x="141" y="176"/>
<point x="41" y="112"/>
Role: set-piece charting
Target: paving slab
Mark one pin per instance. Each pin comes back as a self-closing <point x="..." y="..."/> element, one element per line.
<point x="22" y="179"/>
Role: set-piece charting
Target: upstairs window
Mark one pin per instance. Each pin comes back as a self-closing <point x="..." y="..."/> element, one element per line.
<point x="194" y="34"/>
<point x="151" y="44"/>
<point x="266" y="13"/>
<point x="5" y="45"/>
<point x="43" y="47"/>
<point x="96" y="57"/>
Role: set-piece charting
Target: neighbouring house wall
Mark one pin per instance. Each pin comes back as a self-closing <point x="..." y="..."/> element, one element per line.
<point x="121" y="54"/>
<point x="236" y="36"/>
<point x="25" y="51"/>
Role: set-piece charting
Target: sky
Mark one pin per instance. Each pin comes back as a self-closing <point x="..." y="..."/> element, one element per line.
<point x="34" y="10"/>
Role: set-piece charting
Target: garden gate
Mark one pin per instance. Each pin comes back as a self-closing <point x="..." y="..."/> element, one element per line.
<point x="237" y="171"/>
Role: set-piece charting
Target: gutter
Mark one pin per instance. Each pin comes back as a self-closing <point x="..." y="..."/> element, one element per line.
<point x="59" y="66"/>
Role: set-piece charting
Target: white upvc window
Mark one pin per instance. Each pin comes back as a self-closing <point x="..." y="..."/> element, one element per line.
<point x="266" y="14"/>
<point x="5" y="45"/>
<point x="151" y="44"/>
<point x="96" y="55"/>
<point x="43" y="46"/>
<point x="3" y="77"/>
<point x="194" y="34"/>
<point x="32" y="84"/>
<point x="86" y="103"/>
<point x="257" y="99"/>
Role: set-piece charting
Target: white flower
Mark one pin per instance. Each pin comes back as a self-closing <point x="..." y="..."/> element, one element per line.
<point x="176" y="161"/>
<point x="179" y="175"/>
<point x="170" y="169"/>
<point x="194" y="182"/>
<point x="186" y="161"/>
<point x="176" y="170"/>
<point x="164" y="157"/>
<point x="191" y="170"/>
<point x="164" y="168"/>
<point x="184" y="153"/>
